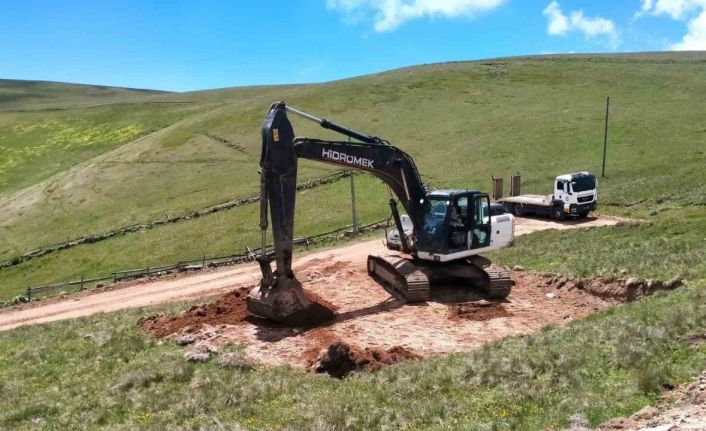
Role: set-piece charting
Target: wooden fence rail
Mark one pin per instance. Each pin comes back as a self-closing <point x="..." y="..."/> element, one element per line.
<point x="233" y="203"/>
<point x="191" y="265"/>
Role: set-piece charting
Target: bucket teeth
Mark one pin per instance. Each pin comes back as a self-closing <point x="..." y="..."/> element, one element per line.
<point x="280" y="301"/>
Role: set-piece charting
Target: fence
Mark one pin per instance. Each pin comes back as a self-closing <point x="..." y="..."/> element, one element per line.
<point x="88" y="239"/>
<point x="190" y="265"/>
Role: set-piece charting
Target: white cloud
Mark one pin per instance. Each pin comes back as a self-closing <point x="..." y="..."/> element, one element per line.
<point x="677" y="9"/>
<point x="592" y="27"/>
<point x="693" y="11"/>
<point x="646" y="5"/>
<point x="695" y="38"/>
<point x="390" y="14"/>
<point x="559" y="24"/>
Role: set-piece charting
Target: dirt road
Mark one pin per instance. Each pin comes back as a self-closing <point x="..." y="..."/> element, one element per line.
<point x="220" y="281"/>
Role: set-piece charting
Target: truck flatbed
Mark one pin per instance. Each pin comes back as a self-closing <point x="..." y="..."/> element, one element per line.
<point x="541" y="200"/>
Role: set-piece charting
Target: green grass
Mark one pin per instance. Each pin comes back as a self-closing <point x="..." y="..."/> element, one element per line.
<point x="218" y="234"/>
<point x="23" y="96"/>
<point x="101" y="371"/>
<point x="40" y="145"/>
<point x="672" y="245"/>
<point x="462" y="122"/>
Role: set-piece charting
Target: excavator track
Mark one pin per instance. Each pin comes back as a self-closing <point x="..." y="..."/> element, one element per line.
<point x="401" y="276"/>
<point x="499" y="282"/>
<point x="411" y="279"/>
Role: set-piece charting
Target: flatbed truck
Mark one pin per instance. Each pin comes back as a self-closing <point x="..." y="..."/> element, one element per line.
<point x="575" y="195"/>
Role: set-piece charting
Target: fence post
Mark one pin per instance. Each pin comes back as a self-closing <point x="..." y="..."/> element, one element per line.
<point x="497" y="188"/>
<point x="203" y="262"/>
<point x="515" y="185"/>
<point x="29" y="294"/>
<point x="81" y="281"/>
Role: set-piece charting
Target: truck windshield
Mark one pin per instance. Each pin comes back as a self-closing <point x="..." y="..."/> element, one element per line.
<point x="583" y="182"/>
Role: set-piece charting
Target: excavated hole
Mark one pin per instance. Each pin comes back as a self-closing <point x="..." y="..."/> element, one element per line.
<point x="340" y="359"/>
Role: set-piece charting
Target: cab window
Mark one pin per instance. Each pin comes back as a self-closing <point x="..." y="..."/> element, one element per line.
<point x="481" y="214"/>
<point x="435" y="213"/>
<point x="463" y="206"/>
<point x="432" y="235"/>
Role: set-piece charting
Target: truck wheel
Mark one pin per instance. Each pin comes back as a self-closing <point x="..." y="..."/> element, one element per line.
<point x="517" y="210"/>
<point x="558" y="213"/>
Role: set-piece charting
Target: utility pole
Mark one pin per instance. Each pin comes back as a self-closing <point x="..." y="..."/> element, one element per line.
<point x="605" y="134"/>
<point x="355" y="216"/>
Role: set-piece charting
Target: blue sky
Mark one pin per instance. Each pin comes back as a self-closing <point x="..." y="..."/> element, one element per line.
<point x="189" y="45"/>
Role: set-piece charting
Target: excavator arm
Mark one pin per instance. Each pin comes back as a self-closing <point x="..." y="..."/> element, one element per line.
<point x="393" y="166"/>
<point x="279" y="294"/>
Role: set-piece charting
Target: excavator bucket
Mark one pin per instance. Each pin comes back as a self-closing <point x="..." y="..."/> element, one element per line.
<point x="277" y="298"/>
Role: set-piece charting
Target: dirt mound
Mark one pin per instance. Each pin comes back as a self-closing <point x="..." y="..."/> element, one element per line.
<point x="341" y="359"/>
<point x="231" y="309"/>
<point x="478" y="311"/>
<point x="696" y="339"/>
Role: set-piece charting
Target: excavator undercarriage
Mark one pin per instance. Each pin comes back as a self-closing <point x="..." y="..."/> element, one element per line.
<point x="411" y="278"/>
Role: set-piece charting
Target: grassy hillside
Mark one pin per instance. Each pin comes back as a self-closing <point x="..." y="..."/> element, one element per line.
<point x="19" y="95"/>
<point x="462" y="122"/>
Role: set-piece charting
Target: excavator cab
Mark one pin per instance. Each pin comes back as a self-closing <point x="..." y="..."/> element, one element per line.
<point x="455" y="221"/>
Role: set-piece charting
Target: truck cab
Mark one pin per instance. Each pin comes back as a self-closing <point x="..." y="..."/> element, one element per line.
<point x="577" y="192"/>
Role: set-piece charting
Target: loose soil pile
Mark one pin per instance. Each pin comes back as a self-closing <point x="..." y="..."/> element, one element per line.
<point x="231" y="309"/>
<point x="373" y="327"/>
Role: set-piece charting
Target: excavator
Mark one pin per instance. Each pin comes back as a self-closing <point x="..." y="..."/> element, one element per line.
<point x="449" y="228"/>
